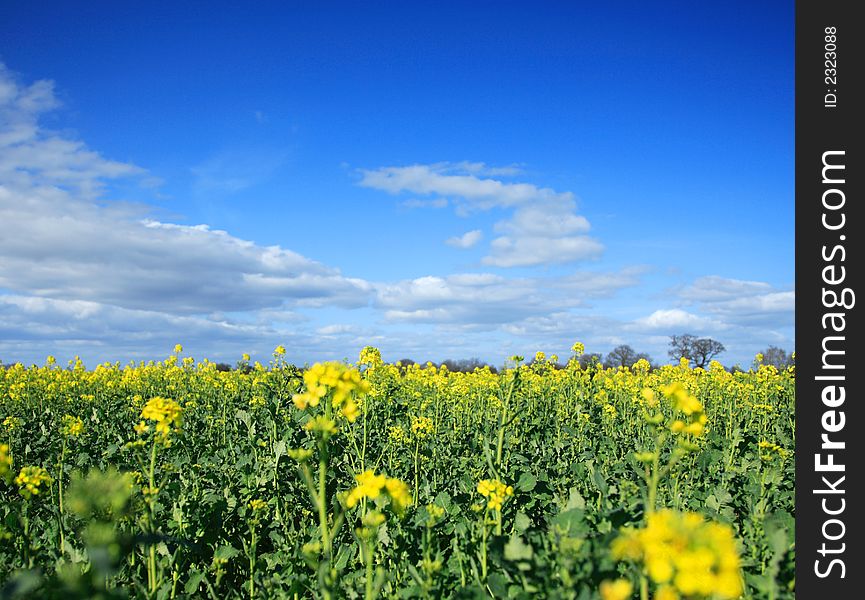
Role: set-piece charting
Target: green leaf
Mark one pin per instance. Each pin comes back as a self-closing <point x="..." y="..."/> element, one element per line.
<point x="571" y="521"/>
<point x="193" y="582"/>
<point x="575" y="500"/>
<point x="522" y="522"/>
<point x="516" y="549"/>
<point x="226" y="552"/>
<point x="527" y="482"/>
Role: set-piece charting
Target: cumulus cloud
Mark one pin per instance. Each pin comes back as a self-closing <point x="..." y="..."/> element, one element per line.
<point x="485" y="300"/>
<point x="542" y="229"/>
<point x="738" y="301"/>
<point x="84" y="273"/>
<point x="62" y="241"/>
<point x="714" y="288"/>
<point x="678" y="319"/>
<point x="466" y="240"/>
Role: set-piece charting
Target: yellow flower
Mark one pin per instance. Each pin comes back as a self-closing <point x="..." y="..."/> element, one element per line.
<point x="166" y="414"/>
<point x="495" y="491"/>
<point x="71" y="426"/>
<point x="178" y="348"/>
<point x="399" y="493"/>
<point x="31" y="480"/>
<point x="279" y="350"/>
<point x="421" y="427"/>
<point x="321" y="424"/>
<point x="578" y="348"/>
<point x="336" y="379"/>
<point x="300" y="454"/>
<point x="258" y="507"/>
<point x="649" y="396"/>
<point x="371" y="486"/>
<point x="684" y="554"/>
<point x="370" y="356"/>
<point x="5" y="461"/>
<point x="12" y="423"/>
<point x="435" y="512"/>
<point x="620" y="589"/>
<point x="666" y="592"/>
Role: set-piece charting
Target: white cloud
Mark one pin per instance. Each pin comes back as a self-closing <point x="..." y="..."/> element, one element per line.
<point x="337" y="329"/>
<point x="62" y="241"/>
<point x="82" y="273"/>
<point x="491" y="301"/>
<point x="676" y="319"/>
<point x="543" y="229"/>
<point x="737" y="301"/>
<point x="466" y="240"/>
<point x="713" y="288"/>
<point x="449" y="179"/>
<point x="507" y="251"/>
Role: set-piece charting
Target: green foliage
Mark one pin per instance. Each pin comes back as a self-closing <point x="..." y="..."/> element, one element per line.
<point x="220" y="506"/>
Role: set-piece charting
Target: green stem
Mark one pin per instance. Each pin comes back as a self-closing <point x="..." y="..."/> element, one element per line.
<point x="60" y="494"/>
<point x="252" y="545"/>
<point x="416" y="470"/>
<point x="151" y="554"/>
<point x="322" y="497"/>
<point x="369" y="591"/>
<point x="484" y="546"/>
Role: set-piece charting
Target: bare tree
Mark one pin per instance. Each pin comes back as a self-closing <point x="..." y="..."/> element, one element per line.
<point x="624" y="356"/>
<point x="465" y="365"/>
<point x="777" y="357"/>
<point x="586" y="360"/>
<point x="700" y="351"/>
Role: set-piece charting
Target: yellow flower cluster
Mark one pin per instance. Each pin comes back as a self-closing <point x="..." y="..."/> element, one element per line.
<point x="684" y="555"/>
<point x="166" y="413"/>
<point x="421" y="427"/>
<point x="322" y="425"/>
<point x="31" y="479"/>
<point x="370" y="485"/>
<point x="257" y="508"/>
<point x="688" y="405"/>
<point x="620" y="589"/>
<point x="495" y="492"/>
<point x="435" y="512"/>
<point x="397" y="435"/>
<point x="336" y="378"/>
<point x="768" y="451"/>
<point x="12" y="423"/>
<point x="370" y="356"/>
<point x="71" y="426"/>
<point x="5" y="462"/>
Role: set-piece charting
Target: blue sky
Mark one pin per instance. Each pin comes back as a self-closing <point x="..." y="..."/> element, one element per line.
<point x="436" y="179"/>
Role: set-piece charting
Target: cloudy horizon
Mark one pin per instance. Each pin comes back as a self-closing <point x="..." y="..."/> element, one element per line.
<point x="271" y="231"/>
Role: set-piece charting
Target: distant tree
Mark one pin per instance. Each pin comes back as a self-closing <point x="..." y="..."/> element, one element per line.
<point x="465" y="365"/>
<point x="699" y="351"/>
<point x="777" y="357"/>
<point x="406" y="362"/>
<point x="223" y="367"/>
<point x="624" y="356"/>
<point x="586" y="360"/>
